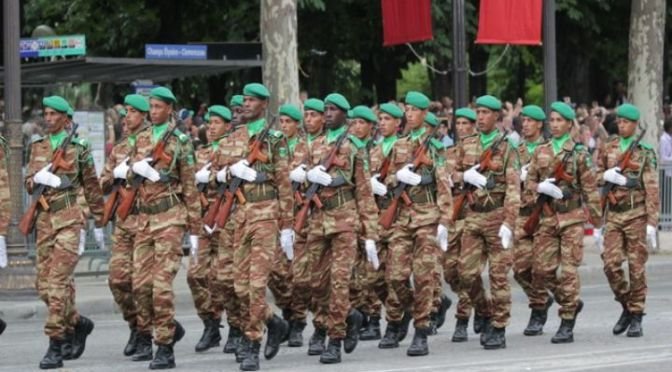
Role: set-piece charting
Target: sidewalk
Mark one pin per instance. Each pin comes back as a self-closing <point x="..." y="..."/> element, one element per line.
<point x="94" y="296"/>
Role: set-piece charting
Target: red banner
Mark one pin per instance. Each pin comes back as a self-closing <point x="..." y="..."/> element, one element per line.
<point x="510" y="22"/>
<point x="406" y="21"/>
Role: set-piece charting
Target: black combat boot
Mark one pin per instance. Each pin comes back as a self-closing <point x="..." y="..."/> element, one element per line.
<point x="83" y="329"/>
<point x="372" y="330"/>
<point x="143" y="351"/>
<point x="486" y="330"/>
<point x="179" y="332"/>
<point x="391" y="338"/>
<point x="3" y="325"/>
<point x="277" y="330"/>
<point x="538" y="319"/>
<point x="251" y="361"/>
<point x="296" y="333"/>
<point x="243" y="349"/>
<point x="287" y="316"/>
<point x="636" y="326"/>
<point x="460" y="334"/>
<point x="497" y="339"/>
<point x="316" y="343"/>
<point x="232" y="340"/>
<point x="419" y="346"/>
<point x="353" y="325"/>
<point x="405" y="323"/>
<point x="623" y="321"/>
<point x="66" y="346"/>
<point x="332" y="354"/>
<point x="565" y="333"/>
<point x="211" y="336"/>
<point x="53" y="358"/>
<point x="432" y="329"/>
<point x="132" y="344"/>
<point x="164" y="358"/>
<point x="441" y="312"/>
<point x="479" y="323"/>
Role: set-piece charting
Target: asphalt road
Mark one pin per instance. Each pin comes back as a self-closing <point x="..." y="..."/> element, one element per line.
<point x="595" y="348"/>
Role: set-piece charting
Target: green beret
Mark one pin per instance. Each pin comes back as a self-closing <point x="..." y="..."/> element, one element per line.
<point x="236" y="100"/>
<point x="392" y="109"/>
<point x="71" y="112"/>
<point x="164" y="94"/>
<point x="417" y="99"/>
<point x="256" y="90"/>
<point x="431" y="119"/>
<point x="465" y="112"/>
<point x="363" y="112"/>
<point x="534" y="112"/>
<point x="206" y="117"/>
<point x="137" y="101"/>
<point x="564" y="110"/>
<point x="292" y="111"/>
<point x="122" y="112"/>
<point x="628" y="111"/>
<point x="338" y="100"/>
<point x="221" y="111"/>
<point x="57" y="103"/>
<point x="489" y="102"/>
<point x="314" y="104"/>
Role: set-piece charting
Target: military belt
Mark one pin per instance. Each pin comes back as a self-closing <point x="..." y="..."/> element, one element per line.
<point x="260" y="193"/>
<point x="526" y="211"/>
<point x="566" y="207"/>
<point x="423" y="197"/>
<point x="341" y="197"/>
<point x="625" y="207"/>
<point x="160" y="206"/>
<point x="66" y="201"/>
<point x="489" y="205"/>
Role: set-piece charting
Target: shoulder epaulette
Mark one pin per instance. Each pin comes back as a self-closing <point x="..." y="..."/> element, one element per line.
<point x="437" y="144"/>
<point x="181" y="136"/>
<point x="38" y="139"/>
<point x="275" y="133"/>
<point x="80" y="141"/>
<point x="645" y="146"/>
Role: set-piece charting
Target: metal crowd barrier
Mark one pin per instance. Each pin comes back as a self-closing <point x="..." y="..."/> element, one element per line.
<point x="665" y="182"/>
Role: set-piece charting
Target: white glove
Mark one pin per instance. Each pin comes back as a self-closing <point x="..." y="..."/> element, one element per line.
<point x="121" y="170"/>
<point x="287" y="243"/>
<point x="650" y="236"/>
<point x="599" y="239"/>
<point x="193" y="251"/>
<point x="223" y="175"/>
<point x="143" y="168"/>
<point x="82" y="242"/>
<point x="523" y="172"/>
<point x="209" y="229"/>
<point x="319" y="175"/>
<point x="47" y="178"/>
<point x="371" y="253"/>
<point x="506" y="235"/>
<point x="442" y="237"/>
<point x="242" y="170"/>
<point x="99" y="236"/>
<point x="612" y="175"/>
<point x="378" y="187"/>
<point x="298" y="174"/>
<point x="3" y="252"/>
<point x="407" y="176"/>
<point x="475" y="178"/>
<point x="203" y="174"/>
<point x="549" y="188"/>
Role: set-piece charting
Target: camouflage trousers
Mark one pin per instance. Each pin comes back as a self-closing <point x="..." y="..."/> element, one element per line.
<point x="256" y="247"/>
<point x="120" y="278"/>
<point x="280" y="281"/>
<point x="368" y="289"/>
<point x="627" y="241"/>
<point x="301" y="267"/>
<point x="56" y="258"/>
<point x="481" y="238"/>
<point x="411" y="251"/>
<point x="224" y="283"/>
<point x="156" y="260"/>
<point x="524" y="251"/>
<point x="202" y="277"/>
<point x="558" y="248"/>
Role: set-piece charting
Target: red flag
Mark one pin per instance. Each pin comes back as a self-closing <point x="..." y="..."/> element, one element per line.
<point x="510" y="22"/>
<point x="405" y="21"/>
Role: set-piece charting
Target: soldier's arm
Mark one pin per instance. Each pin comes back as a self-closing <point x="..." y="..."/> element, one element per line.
<point x="107" y="176"/>
<point x="284" y="185"/>
<point x="512" y="198"/>
<point x="366" y="205"/>
<point x="187" y="169"/>
<point x="601" y="164"/>
<point x="650" y="179"/>
<point x="4" y="194"/>
<point x="32" y="168"/>
<point x="457" y="174"/>
<point x="588" y="187"/>
<point x="533" y="176"/>
<point x="443" y="188"/>
<point x="300" y="155"/>
<point x="92" y="190"/>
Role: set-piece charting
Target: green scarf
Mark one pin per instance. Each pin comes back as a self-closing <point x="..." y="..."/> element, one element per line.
<point x="488" y="138"/>
<point x="255" y="127"/>
<point x="388" y="143"/>
<point x="158" y="131"/>
<point x="57" y="139"/>
<point x="417" y="133"/>
<point x="291" y="143"/>
<point x="559" y="142"/>
<point x="531" y="146"/>
<point x="334" y="134"/>
<point x="625" y="143"/>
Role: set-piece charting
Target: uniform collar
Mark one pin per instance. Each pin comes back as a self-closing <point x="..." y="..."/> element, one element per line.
<point x="388" y="143"/>
<point x="158" y="131"/>
<point x="417" y="133"/>
<point x="56" y="139"/>
<point x="488" y="139"/>
<point x="334" y="134"/>
<point x="255" y="127"/>
<point x="559" y="142"/>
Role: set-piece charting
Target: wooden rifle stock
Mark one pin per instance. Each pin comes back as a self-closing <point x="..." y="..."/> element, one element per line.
<point x="624" y="163"/>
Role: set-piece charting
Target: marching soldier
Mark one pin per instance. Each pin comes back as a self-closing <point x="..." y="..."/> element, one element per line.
<point x="559" y="238"/>
<point x="58" y="228"/>
<point x="237" y="118"/>
<point x="121" y="260"/>
<point x="523" y="247"/>
<point x="490" y="218"/>
<point x="168" y="207"/>
<point x="632" y="218"/>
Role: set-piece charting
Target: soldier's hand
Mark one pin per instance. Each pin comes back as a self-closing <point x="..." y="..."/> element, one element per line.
<point x="549" y="188"/>
<point x="378" y="187"/>
<point x="298" y="174"/>
<point x="287" y="243"/>
<point x="442" y="237"/>
<point x="121" y="170"/>
<point x="242" y="170"/>
<point x="651" y="236"/>
<point x="45" y="177"/>
<point x="99" y="235"/>
<point x="599" y="239"/>
<point x="371" y="253"/>
<point x="203" y="174"/>
<point x="407" y="176"/>
<point x="506" y="235"/>
<point x="223" y="175"/>
<point x="143" y="168"/>
<point x="523" y="172"/>
<point x="319" y="175"/>
<point x="474" y="177"/>
<point x="209" y="230"/>
<point x="82" y="242"/>
<point x="3" y="252"/>
<point x="613" y="175"/>
<point x="193" y="251"/>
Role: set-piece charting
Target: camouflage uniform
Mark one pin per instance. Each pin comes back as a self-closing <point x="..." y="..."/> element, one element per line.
<point x="166" y="210"/>
<point x="58" y="230"/>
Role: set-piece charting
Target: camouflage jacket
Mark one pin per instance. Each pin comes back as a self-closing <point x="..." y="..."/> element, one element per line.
<point x="527" y="197"/>
<point x="642" y="191"/>
<point x="4" y="188"/>
<point x="204" y="155"/>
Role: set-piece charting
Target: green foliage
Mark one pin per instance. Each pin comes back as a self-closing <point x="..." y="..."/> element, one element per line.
<point x="414" y="77"/>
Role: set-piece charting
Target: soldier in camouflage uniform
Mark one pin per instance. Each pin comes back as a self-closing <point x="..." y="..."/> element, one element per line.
<point x="559" y="238"/>
<point x="168" y="206"/>
<point x="58" y="228"/>
<point x="630" y="220"/>
<point x="490" y="217"/>
<point x="417" y="227"/>
<point x="523" y="247"/>
<point x="267" y="211"/>
<point x="4" y="209"/>
<point x="121" y="261"/>
<point x="348" y="211"/>
<point x="237" y="117"/>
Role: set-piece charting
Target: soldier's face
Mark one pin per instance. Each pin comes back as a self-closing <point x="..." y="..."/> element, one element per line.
<point x="334" y="117"/>
<point x="159" y="111"/>
<point x="559" y="125"/>
<point x="531" y="128"/>
<point x="464" y="127"/>
<point x="387" y="125"/>
<point x="237" y="116"/>
<point x="55" y="121"/>
<point x="134" y="118"/>
<point x="253" y="108"/>
<point x="626" y="128"/>
<point x="415" y="116"/>
<point x="314" y="121"/>
<point x="288" y="126"/>
<point x="216" y="128"/>
<point x="486" y="119"/>
<point x="361" y="128"/>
